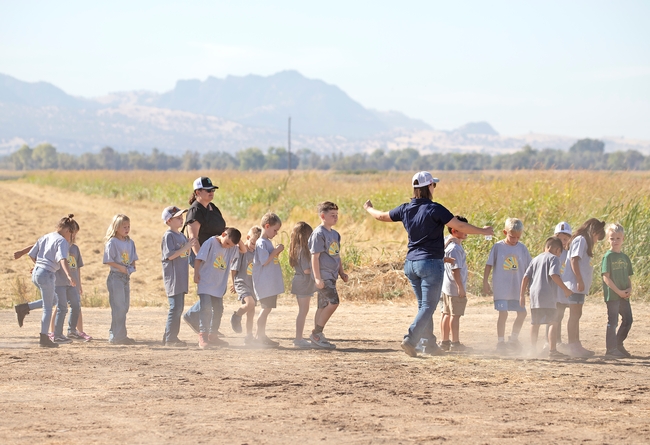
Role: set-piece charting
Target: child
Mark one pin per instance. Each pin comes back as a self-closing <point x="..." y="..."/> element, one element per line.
<point x="211" y="268"/>
<point x="617" y="287"/>
<point x="267" y="274"/>
<point x="510" y="259"/>
<point x="543" y="278"/>
<point x="562" y="231"/>
<point x="303" y="285"/>
<point x="324" y="245"/>
<point x="242" y="278"/>
<point x="120" y="256"/>
<point x="454" y="296"/>
<point x="578" y="276"/>
<point x="175" y="250"/>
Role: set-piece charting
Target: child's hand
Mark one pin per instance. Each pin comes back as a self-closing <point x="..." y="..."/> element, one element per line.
<point x="522" y="301"/>
<point x="193" y="242"/>
<point x="123" y="269"/>
<point x="449" y="260"/>
<point x="581" y="286"/>
<point x="72" y="282"/>
<point x="232" y="288"/>
<point x="197" y="277"/>
<point x="486" y="289"/>
<point x="567" y="292"/>
<point x="81" y="291"/>
<point x="626" y="293"/>
<point x="344" y="277"/>
<point x="319" y="283"/>
<point x="18" y="254"/>
<point x="278" y="249"/>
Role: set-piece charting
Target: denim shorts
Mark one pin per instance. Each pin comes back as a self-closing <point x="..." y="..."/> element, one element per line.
<point x="508" y="305"/>
<point x="577" y="299"/>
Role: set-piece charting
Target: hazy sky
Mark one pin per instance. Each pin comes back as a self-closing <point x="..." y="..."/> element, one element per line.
<point x="575" y="68"/>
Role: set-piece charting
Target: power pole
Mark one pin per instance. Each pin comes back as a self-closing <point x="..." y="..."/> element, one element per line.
<point x="289" y="145"/>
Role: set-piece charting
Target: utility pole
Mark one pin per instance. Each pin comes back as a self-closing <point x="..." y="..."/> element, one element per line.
<point x="289" y="145"/>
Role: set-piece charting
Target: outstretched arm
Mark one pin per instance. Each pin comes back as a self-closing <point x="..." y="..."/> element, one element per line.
<point x="378" y="215"/>
<point x="19" y="253"/>
<point x="464" y="227"/>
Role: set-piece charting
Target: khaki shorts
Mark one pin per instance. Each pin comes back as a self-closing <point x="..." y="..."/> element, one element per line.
<point x="453" y="305"/>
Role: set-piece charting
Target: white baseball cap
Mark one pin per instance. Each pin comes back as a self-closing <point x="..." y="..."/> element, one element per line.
<point x="172" y="212"/>
<point x="423" y="179"/>
<point x="203" y="182"/>
<point x="563" y="227"/>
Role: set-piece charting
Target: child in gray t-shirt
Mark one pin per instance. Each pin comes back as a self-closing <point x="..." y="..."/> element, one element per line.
<point x="303" y="285"/>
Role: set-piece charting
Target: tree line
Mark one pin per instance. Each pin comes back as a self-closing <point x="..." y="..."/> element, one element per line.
<point x="584" y="154"/>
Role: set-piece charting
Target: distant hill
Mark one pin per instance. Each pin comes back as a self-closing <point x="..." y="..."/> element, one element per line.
<point x="38" y="94"/>
<point x="476" y="128"/>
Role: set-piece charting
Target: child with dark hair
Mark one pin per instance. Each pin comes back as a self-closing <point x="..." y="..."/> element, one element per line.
<point x="303" y="285"/>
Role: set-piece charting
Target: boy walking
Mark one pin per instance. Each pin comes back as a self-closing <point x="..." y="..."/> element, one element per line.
<point x="325" y="245"/>
<point x="543" y="278"/>
<point x="242" y="278"/>
<point x="267" y="275"/>
<point x="175" y="261"/>
<point x="211" y="268"/>
<point x="454" y="297"/>
<point x="509" y="259"/>
<point x="617" y="287"/>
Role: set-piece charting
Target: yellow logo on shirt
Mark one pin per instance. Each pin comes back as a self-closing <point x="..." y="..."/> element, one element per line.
<point x="334" y="249"/>
<point x="72" y="262"/>
<point x="185" y="254"/>
<point x="511" y="263"/>
<point x="276" y="260"/>
<point x="219" y="263"/>
<point x="249" y="269"/>
<point x="562" y="267"/>
<point x="125" y="258"/>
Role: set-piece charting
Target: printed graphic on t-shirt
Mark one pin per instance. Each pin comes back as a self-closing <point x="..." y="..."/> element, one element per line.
<point x="249" y="269"/>
<point x="185" y="254"/>
<point x="619" y="265"/>
<point x="72" y="262"/>
<point x="562" y="266"/>
<point x="511" y="263"/>
<point x="125" y="258"/>
<point x="333" y="249"/>
<point x="276" y="260"/>
<point x="219" y="263"/>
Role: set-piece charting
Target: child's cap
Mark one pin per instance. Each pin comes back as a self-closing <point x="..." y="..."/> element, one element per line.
<point x="203" y="182"/>
<point x="563" y="227"/>
<point x="423" y="179"/>
<point x="172" y="212"/>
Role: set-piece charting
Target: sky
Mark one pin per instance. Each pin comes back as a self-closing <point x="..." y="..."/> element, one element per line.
<point x="573" y="68"/>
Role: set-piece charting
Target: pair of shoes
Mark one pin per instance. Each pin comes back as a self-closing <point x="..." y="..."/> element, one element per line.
<point x="265" y="341"/>
<point x="623" y="350"/>
<point x="556" y="354"/>
<point x="320" y="341"/>
<point x="585" y="350"/>
<point x="203" y="341"/>
<point x="502" y="348"/>
<point x="21" y="311"/>
<point x="62" y="340"/>
<point x="176" y="344"/>
<point x="615" y="353"/>
<point x="459" y="347"/>
<point x="434" y="349"/>
<point x="235" y="322"/>
<point x="126" y="341"/>
<point x="301" y="343"/>
<point x="408" y="348"/>
<point x="214" y="340"/>
<point x="188" y="320"/>
<point x="249" y="340"/>
<point x="45" y="342"/>
<point x="445" y="345"/>
<point x="513" y="344"/>
<point x="576" y="350"/>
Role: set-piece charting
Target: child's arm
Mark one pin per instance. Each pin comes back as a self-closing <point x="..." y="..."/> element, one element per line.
<point x="487" y="290"/>
<point x="276" y="252"/>
<point x="197" y="268"/>
<point x="523" y="290"/>
<point x="557" y="280"/>
<point x="342" y="273"/>
<point x="459" y="282"/>
<point x="188" y="245"/>
<point x="315" y="267"/>
<point x="610" y="283"/>
<point x="575" y="267"/>
<point x="118" y="266"/>
<point x="233" y="274"/>
<point x="81" y="291"/>
<point x="66" y="269"/>
<point x="242" y="248"/>
<point x="19" y="253"/>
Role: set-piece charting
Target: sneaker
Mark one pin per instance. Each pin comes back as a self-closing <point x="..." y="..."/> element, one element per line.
<point x="624" y="351"/>
<point x="203" y="341"/>
<point x="214" y="340"/>
<point x="513" y="344"/>
<point x="320" y="341"/>
<point x="74" y="335"/>
<point x="615" y="353"/>
<point x="265" y="341"/>
<point x="434" y="349"/>
<point x="586" y="351"/>
<point x="61" y="340"/>
<point x="556" y="355"/>
<point x="563" y="348"/>
<point x="445" y="345"/>
<point x="408" y="348"/>
<point x="301" y="343"/>
<point x="84" y="336"/>
<point x="45" y="342"/>
<point x="219" y="334"/>
<point x="188" y="320"/>
<point x="176" y="344"/>
<point x="126" y="341"/>
<point x="21" y="311"/>
<point x="502" y="348"/>
<point x="459" y="347"/>
<point x="235" y="322"/>
<point x="546" y="349"/>
<point x="576" y="350"/>
<point x="249" y="340"/>
<point x="50" y="335"/>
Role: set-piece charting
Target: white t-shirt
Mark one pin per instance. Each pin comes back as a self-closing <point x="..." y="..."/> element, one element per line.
<point x="267" y="280"/>
<point x="509" y="263"/>
<point x="455" y="251"/>
<point x="578" y="249"/>
<point x="49" y="250"/>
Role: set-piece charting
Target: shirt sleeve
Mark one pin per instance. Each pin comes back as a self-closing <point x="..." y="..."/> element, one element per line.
<point x="80" y="261"/>
<point x="236" y="261"/>
<point x="604" y="266"/>
<point x="204" y="251"/>
<point x="629" y="263"/>
<point x="317" y="243"/>
<point x="491" y="256"/>
<point x="134" y="257"/>
<point x="109" y="253"/>
<point x="62" y="250"/>
<point x="192" y="215"/>
<point x="554" y="267"/>
<point x="578" y="247"/>
<point x="260" y="251"/>
<point x="396" y="213"/>
<point x="455" y="254"/>
<point x="33" y="252"/>
<point x="167" y="245"/>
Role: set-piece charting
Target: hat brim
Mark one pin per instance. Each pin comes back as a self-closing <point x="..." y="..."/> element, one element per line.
<point x="179" y="213"/>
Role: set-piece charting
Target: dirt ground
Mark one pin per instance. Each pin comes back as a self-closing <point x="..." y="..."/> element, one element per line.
<point x="366" y="391"/>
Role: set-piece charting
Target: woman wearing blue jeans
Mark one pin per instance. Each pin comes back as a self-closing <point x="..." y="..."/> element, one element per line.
<point x="424" y="221"/>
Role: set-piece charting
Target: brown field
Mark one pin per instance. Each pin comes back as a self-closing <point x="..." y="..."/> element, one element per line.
<point x="366" y="391"/>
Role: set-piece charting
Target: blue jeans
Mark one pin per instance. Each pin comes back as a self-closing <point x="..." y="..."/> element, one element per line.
<point x="44" y="280"/>
<point x="426" y="279"/>
<point x="119" y="297"/>
<point x="176" y="304"/>
<point x="210" y="312"/>
<point x="65" y="295"/>
<point x="614" y="339"/>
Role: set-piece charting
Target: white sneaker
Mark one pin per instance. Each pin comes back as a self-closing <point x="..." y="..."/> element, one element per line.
<point x="545" y="350"/>
<point x="586" y="351"/>
<point x="301" y="343"/>
<point x="576" y="350"/>
<point x="563" y="348"/>
<point x="319" y="341"/>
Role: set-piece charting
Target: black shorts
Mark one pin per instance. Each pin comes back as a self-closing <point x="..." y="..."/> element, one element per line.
<point x="328" y="294"/>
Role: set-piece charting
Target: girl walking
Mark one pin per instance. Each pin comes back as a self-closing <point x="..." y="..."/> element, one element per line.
<point x="303" y="285"/>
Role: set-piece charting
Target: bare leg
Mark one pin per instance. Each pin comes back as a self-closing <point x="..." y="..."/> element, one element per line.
<point x="534" y="333"/>
<point x="261" y="322"/>
<point x="80" y="323"/>
<point x="552" y="337"/>
<point x="445" y="327"/>
<point x="519" y="322"/>
<point x="303" y="310"/>
<point x="573" y="325"/>
<point x="501" y="324"/>
<point x="455" y="328"/>
<point x="325" y="314"/>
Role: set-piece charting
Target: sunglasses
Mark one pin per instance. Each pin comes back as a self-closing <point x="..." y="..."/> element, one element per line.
<point x="208" y="191"/>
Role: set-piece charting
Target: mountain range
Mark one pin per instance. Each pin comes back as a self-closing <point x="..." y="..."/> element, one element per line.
<point x="232" y="114"/>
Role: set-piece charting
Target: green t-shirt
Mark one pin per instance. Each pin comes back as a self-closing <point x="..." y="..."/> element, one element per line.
<point x="619" y="267"/>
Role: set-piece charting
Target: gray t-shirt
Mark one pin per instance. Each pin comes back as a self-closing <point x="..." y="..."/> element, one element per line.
<point x="454" y="250"/>
<point x="175" y="272"/>
<point x="543" y="291"/>
<point x="243" y="267"/>
<point x="578" y="248"/>
<point x="563" y="264"/>
<point x="267" y="280"/>
<point x="75" y="262"/>
<point x="215" y="268"/>
<point x="303" y="283"/>
<point x="49" y="250"/>
<point x="120" y="252"/>
<point x="328" y="244"/>
<point x="509" y="263"/>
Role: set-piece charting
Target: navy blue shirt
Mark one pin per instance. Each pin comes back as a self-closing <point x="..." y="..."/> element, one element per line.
<point x="424" y="221"/>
